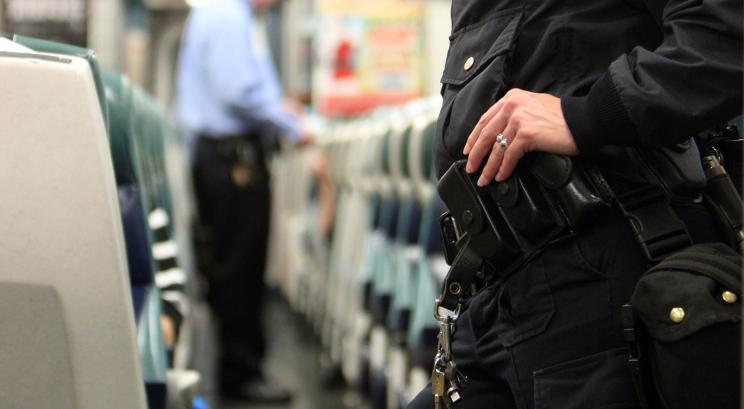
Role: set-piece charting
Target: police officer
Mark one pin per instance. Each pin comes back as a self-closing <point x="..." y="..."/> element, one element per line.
<point x="587" y="79"/>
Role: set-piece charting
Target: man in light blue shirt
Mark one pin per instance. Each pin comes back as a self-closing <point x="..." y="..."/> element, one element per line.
<point x="227" y="84"/>
<point x="229" y="104"/>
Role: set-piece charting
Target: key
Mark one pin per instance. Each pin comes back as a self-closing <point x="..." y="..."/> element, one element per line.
<point x="452" y="374"/>
<point x="453" y="395"/>
<point x="438" y="386"/>
<point x="241" y="175"/>
<point x="444" y="338"/>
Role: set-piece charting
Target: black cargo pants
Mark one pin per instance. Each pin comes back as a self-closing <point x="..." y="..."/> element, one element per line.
<point x="238" y="219"/>
<point x="549" y="335"/>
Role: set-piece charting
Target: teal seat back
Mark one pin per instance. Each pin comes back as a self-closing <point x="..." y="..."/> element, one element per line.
<point x="153" y="357"/>
<point x="427" y="150"/>
<point x="137" y="151"/>
<point x="405" y="148"/>
<point x="119" y="100"/>
<point x="148" y="148"/>
<point x="426" y="284"/>
<point x="426" y="292"/>
<point x="138" y="235"/>
<point x="157" y="156"/>
<point x="387" y="144"/>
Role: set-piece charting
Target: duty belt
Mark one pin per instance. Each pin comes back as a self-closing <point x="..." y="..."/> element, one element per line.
<point x="509" y="221"/>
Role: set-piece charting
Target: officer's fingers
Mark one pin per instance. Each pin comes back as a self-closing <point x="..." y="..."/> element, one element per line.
<point x="506" y="105"/>
<point x="484" y="144"/>
<point x="514" y="152"/>
<point x="495" y="159"/>
<point x="479" y="151"/>
<point x="512" y="155"/>
<point x="484" y="120"/>
<point x="492" y="165"/>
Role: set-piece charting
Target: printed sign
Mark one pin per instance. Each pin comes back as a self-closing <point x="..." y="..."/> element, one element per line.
<point x="370" y="54"/>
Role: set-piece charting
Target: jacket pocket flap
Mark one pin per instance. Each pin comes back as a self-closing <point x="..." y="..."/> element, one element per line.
<point x="469" y="49"/>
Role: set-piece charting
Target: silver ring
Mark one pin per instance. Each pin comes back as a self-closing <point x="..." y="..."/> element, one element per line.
<point x="502" y="141"/>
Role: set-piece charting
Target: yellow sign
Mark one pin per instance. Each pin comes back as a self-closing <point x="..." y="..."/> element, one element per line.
<point x="371" y="54"/>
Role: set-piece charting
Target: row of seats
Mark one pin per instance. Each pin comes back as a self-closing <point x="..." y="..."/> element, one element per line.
<point x="91" y="255"/>
<point x="367" y="283"/>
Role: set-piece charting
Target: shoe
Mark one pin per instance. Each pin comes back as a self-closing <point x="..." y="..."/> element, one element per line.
<point x="258" y="390"/>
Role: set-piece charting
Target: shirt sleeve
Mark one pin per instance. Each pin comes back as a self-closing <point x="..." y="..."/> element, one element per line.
<point x="232" y="66"/>
<point x="691" y="82"/>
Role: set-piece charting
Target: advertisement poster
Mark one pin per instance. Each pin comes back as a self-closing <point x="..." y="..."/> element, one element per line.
<point x="370" y="54"/>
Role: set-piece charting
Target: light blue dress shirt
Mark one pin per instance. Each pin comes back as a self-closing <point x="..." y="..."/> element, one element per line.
<point x="227" y="85"/>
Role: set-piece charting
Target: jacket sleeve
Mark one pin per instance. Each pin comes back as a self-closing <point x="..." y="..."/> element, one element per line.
<point x="691" y="82"/>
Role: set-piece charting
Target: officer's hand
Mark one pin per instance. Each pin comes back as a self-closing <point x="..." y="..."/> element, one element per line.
<point x="529" y="121"/>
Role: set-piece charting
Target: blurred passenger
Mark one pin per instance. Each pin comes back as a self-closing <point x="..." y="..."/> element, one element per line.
<point x="326" y="194"/>
<point x="229" y="102"/>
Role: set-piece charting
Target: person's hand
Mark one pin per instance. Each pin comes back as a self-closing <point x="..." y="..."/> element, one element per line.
<point x="529" y="122"/>
<point x="293" y="107"/>
<point x="306" y="137"/>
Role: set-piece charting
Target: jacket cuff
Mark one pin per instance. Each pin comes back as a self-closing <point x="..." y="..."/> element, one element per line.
<point x="599" y="118"/>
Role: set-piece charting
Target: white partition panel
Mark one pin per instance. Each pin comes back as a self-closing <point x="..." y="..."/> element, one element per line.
<point x="61" y="224"/>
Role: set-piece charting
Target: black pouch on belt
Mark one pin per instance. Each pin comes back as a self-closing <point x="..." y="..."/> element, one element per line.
<point x="684" y="329"/>
<point x="528" y="209"/>
<point x="577" y="188"/>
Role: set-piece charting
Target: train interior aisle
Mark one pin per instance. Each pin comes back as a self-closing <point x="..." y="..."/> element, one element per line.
<point x="294" y="357"/>
<point x="225" y="204"/>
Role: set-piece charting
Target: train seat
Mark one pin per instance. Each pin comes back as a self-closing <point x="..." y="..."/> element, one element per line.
<point x="404" y="239"/>
<point x="423" y="329"/>
<point x="386" y="270"/>
<point x="138" y="239"/>
<point x="406" y="257"/>
<point x="153" y="356"/>
<point x="46" y="46"/>
<point x="62" y="225"/>
<point x="34" y="350"/>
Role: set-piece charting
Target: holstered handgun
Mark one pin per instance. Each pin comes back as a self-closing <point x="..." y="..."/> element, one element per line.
<point x="546" y="194"/>
<point x="476" y="214"/>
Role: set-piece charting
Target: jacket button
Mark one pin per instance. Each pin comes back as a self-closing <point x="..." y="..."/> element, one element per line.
<point x="469" y="63"/>
<point x="677" y="314"/>
<point x="729" y="297"/>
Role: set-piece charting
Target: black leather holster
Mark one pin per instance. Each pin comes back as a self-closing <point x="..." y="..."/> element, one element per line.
<point x="546" y="196"/>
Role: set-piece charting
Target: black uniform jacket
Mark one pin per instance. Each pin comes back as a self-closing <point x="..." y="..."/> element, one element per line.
<point x="629" y="72"/>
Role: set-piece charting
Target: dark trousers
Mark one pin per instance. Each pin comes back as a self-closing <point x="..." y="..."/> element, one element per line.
<point x="237" y="219"/>
<point x="549" y="336"/>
